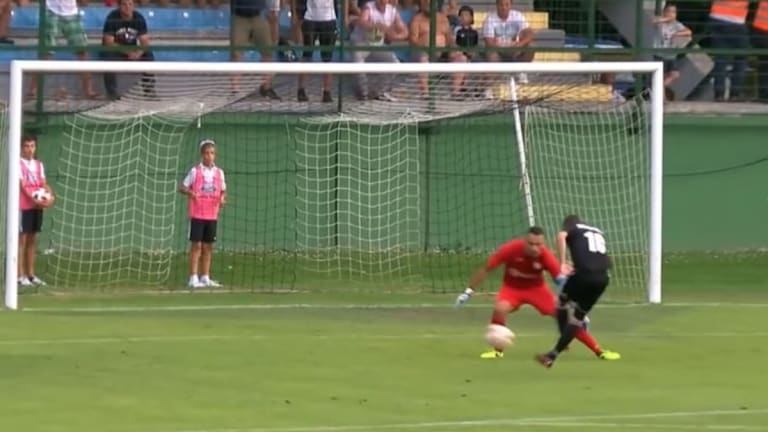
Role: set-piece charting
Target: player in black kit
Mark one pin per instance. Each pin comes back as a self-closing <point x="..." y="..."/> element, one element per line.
<point x="585" y="285"/>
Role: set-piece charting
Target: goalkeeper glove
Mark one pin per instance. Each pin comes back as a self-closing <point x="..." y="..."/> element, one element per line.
<point x="464" y="297"/>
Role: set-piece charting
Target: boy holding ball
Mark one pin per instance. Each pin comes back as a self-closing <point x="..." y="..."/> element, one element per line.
<point x="32" y="201"/>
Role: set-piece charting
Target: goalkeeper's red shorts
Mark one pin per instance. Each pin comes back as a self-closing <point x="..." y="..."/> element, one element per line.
<point x="539" y="297"/>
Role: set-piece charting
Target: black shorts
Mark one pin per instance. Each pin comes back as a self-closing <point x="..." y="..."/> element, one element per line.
<point x="322" y="32"/>
<point x="202" y="230"/>
<point x="31" y="221"/>
<point x="584" y="289"/>
<point x="670" y="64"/>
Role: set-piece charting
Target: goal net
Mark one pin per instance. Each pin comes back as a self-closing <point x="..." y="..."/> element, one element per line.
<point x="405" y="188"/>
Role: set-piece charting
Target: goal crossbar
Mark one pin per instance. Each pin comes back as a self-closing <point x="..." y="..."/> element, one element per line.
<point x="328" y="68"/>
<point x="19" y="68"/>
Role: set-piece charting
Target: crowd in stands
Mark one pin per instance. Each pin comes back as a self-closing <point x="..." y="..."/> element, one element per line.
<point x="315" y="22"/>
<point x="504" y="35"/>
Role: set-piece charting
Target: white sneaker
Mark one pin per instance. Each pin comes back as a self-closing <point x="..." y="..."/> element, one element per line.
<point x="25" y="282"/>
<point x="211" y="283"/>
<point x="195" y="284"/>
<point x="34" y="280"/>
<point x="386" y="96"/>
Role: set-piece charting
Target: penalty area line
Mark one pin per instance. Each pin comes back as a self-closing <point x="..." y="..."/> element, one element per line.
<point x="650" y="426"/>
<point x="96" y="340"/>
<point x="563" y="421"/>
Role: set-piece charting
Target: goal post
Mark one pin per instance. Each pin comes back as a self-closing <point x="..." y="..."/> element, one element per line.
<point x="358" y="207"/>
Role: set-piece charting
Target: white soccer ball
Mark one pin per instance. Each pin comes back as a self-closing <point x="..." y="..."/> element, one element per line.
<point x="499" y="336"/>
<point x="41" y="195"/>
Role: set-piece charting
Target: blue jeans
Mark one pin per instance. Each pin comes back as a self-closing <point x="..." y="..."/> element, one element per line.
<point x="727" y="35"/>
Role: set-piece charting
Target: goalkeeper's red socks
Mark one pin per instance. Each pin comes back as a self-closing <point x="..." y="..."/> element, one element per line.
<point x="499" y="318"/>
<point x="584" y="337"/>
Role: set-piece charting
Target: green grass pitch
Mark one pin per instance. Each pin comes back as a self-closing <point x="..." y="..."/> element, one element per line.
<point x="366" y="361"/>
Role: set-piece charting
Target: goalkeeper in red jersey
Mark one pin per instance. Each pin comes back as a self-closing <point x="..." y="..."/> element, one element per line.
<point x="524" y="261"/>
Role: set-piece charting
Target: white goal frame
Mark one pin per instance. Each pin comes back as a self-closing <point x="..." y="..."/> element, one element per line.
<point x="21" y="67"/>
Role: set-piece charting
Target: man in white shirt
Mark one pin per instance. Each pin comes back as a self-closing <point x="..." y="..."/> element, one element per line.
<point x="379" y="24"/>
<point x="504" y="32"/>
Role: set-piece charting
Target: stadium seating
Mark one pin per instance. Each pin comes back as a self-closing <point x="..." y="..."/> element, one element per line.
<point x="187" y="27"/>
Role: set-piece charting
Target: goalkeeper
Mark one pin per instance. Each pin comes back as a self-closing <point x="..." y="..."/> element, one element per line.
<point x="524" y="261"/>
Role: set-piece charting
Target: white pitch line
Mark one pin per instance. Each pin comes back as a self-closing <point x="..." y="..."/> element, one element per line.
<point x="651" y="426"/>
<point x="193" y="338"/>
<point x="524" y="421"/>
<point x="354" y="336"/>
<point x="384" y="306"/>
<point x="669" y="414"/>
<point x="108" y="340"/>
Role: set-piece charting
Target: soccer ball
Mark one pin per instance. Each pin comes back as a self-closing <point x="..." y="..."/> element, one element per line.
<point x="41" y="195"/>
<point x="499" y="336"/>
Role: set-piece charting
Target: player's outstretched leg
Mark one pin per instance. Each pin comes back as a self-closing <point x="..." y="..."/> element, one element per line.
<point x="570" y="320"/>
<point x="568" y="326"/>
<point x="499" y="316"/>
<point x="578" y="301"/>
<point x="586" y="338"/>
<point x="581" y="333"/>
<point x="585" y="327"/>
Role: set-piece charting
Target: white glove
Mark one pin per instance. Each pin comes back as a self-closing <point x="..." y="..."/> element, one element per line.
<point x="464" y="297"/>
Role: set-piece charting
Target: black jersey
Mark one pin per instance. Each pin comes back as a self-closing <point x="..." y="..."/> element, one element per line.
<point x="125" y="31"/>
<point x="588" y="249"/>
<point x="467" y="37"/>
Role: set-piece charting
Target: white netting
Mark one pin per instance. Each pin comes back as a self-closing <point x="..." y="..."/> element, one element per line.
<point x="594" y="162"/>
<point x="179" y="97"/>
<point x="408" y="190"/>
<point x="118" y="169"/>
<point x="480" y="93"/>
<point x="116" y="191"/>
<point x="358" y="200"/>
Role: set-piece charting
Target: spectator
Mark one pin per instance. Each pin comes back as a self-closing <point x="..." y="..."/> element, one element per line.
<point x="125" y="26"/>
<point x="318" y="25"/>
<point x="728" y="30"/>
<point x="466" y="35"/>
<point x="668" y="32"/>
<point x="6" y="7"/>
<point x="504" y="32"/>
<point x="379" y="24"/>
<point x="298" y="9"/>
<point x="451" y="10"/>
<point x="249" y="27"/>
<point x="444" y="38"/>
<point x="352" y="10"/>
<point x="63" y="20"/>
<point x="273" y="19"/>
<point x="406" y="5"/>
